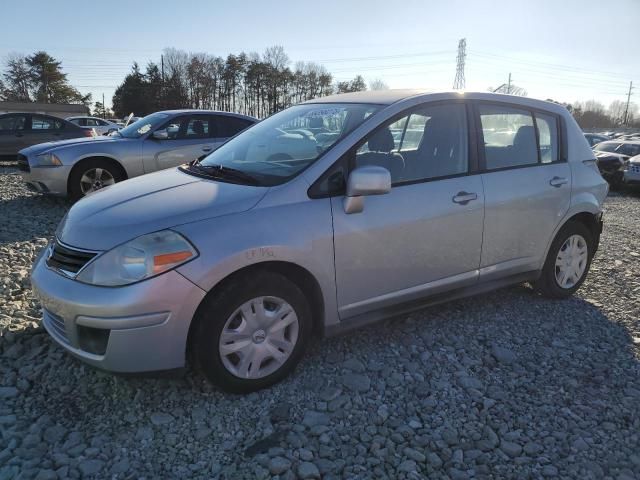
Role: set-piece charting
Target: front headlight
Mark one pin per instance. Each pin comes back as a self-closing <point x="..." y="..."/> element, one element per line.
<point x="141" y="258"/>
<point x="47" y="160"/>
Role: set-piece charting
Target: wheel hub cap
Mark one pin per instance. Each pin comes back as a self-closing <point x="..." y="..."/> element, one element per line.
<point x="95" y="179"/>
<point x="258" y="337"/>
<point x="571" y="262"/>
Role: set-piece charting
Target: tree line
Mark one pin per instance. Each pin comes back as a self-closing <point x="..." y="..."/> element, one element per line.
<point x="248" y="83"/>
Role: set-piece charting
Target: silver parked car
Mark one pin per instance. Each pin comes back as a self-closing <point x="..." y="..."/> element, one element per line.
<point x="99" y="125"/>
<point x="239" y="260"/>
<point x="158" y="141"/>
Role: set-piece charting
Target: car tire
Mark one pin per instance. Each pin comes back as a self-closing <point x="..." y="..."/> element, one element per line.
<point x="550" y="284"/>
<point x="221" y="326"/>
<point x="109" y="174"/>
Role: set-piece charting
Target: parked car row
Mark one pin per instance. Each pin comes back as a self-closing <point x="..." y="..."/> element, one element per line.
<point x="618" y="160"/>
<point x="325" y="216"/>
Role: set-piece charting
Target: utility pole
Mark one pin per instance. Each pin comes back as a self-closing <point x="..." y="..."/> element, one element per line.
<point x="509" y="84"/>
<point x="104" y="113"/>
<point x="626" y="109"/>
<point x="161" y="102"/>
<point x="459" y="82"/>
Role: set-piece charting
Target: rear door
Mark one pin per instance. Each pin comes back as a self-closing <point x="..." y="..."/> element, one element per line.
<point x="189" y="138"/>
<point x="12" y="133"/>
<point x="527" y="185"/>
<point x="45" y="129"/>
<point x="228" y="126"/>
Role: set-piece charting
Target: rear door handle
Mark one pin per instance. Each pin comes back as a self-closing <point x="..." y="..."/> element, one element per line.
<point x="207" y="149"/>
<point x="464" y="197"/>
<point x="558" y="181"/>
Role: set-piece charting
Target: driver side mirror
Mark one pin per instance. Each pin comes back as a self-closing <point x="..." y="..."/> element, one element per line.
<point x="365" y="181"/>
<point x="161" y="134"/>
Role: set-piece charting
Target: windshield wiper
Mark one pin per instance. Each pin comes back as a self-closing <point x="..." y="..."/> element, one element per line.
<point x="221" y="172"/>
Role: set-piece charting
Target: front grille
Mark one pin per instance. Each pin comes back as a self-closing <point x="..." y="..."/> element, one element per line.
<point x="56" y="326"/>
<point x="67" y="259"/>
<point x="23" y="163"/>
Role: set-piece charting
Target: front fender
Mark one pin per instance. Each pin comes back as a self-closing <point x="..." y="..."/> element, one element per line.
<point x="298" y="233"/>
<point x="128" y="155"/>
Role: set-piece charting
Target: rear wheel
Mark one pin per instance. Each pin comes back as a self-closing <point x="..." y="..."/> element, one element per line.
<point x="567" y="262"/>
<point x="92" y="175"/>
<point x="251" y="333"/>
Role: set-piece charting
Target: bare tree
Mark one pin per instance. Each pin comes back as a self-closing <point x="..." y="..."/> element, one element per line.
<point x="378" y="84"/>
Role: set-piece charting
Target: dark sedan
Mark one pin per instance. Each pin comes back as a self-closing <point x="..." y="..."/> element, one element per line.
<point x="21" y="130"/>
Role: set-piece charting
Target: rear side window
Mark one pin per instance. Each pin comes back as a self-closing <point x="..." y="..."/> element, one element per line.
<point x="45" y="123"/>
<point x="228" y="126"/>
<point x="548" y="135"/>
<point x="509" y="137"/>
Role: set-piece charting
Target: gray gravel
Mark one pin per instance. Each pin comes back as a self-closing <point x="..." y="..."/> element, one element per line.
<point x="508" y="385"/>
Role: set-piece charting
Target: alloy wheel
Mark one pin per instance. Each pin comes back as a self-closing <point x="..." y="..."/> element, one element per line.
<point x="95" y="179"/>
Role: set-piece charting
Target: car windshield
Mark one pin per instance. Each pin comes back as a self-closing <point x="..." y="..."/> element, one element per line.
<point x="144" y="125"/>
<point x="607" y="147"/>
<point x="283" y="145"/>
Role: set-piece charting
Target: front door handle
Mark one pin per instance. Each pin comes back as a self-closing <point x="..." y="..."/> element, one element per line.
<point x="207" y="149"/>
<point x="19" y="135"/>
<point x="558" y="181"/>
<point x="464" y="197"/>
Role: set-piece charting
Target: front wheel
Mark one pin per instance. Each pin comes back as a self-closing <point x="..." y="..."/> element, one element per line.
<point x="92" y="175"/>
<point x="567" y="262"/>
<point x="251" y="333"/>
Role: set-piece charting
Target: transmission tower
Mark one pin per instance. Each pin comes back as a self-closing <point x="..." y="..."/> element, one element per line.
<point x="459" y="83"/>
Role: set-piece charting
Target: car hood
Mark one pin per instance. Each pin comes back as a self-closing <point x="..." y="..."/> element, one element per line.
<point x="45" y="147"/>
<point x="150" y="203"/>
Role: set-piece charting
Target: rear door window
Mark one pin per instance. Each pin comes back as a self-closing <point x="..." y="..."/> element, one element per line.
<point x="509" y="137"/>
<point x="39" y="123"/>
<point x="228" y="126"/>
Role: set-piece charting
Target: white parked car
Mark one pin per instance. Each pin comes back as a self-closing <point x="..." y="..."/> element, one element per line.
<point x="101" y="126"/>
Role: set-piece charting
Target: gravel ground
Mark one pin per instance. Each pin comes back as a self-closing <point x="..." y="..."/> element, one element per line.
<point x="507" y="385"/>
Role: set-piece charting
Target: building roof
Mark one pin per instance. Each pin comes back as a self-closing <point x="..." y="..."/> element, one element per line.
<point x="43" y="107"/>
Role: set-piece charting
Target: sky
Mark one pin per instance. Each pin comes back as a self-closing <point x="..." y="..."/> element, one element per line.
<point x="567" y="50"/>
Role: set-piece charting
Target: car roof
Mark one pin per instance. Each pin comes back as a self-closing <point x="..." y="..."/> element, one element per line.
<point x="388" y="97"/>
<point x="217" y="112"/>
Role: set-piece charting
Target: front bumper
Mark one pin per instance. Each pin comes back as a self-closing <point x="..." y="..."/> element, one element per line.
<point x="145" y="325"/>
<point x="632" y="175"/>
<point x="51" y="180"/>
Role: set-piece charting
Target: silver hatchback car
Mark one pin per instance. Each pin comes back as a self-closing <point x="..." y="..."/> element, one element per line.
<point x="328" y="215"/>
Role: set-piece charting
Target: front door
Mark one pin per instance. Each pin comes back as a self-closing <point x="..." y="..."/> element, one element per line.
<point x="424" y="236"/>
<point x="190" y="137"/>
<point x="12" y="133"/>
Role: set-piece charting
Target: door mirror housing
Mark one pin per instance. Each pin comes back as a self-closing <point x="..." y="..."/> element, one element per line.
<point x="365" y="181"/>
<point x="161" y="134"/>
